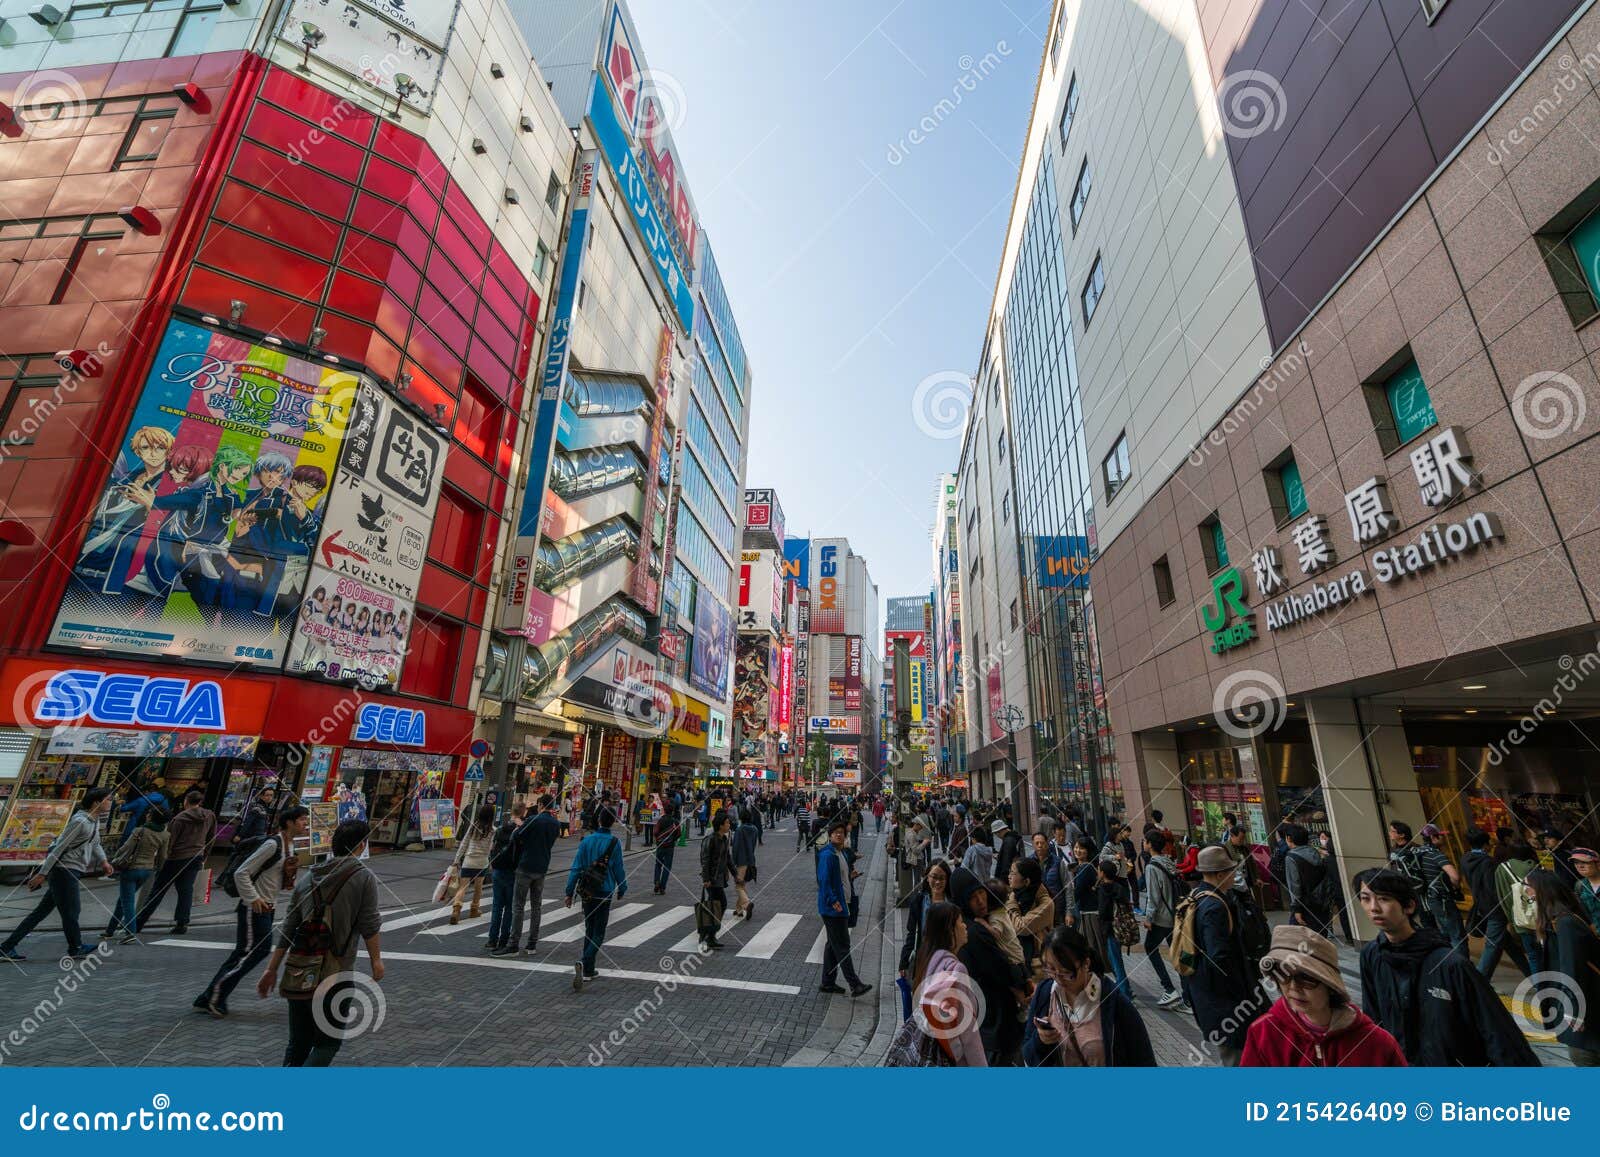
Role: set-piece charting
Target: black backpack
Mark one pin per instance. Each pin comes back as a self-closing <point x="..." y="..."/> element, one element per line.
<point x="503" y="852"/>
<point x="242" y="852"/>
<point x="593" y="880"/>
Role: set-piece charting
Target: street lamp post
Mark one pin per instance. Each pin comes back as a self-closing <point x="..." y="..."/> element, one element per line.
<point x="1011" y="720"/>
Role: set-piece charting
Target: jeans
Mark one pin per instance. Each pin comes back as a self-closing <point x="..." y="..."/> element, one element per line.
<point x="126" y="913"/>
<point x="1533" y="949"/>
<point x="596" y="913"/>
<point x="252" y="943"/>
<point x="310" y="1047"/>
<point x="836" y="955"/>
<point x="1496" y="941"/>
<point x="62" y="892"/>
<point x="650" y="834"/>
<point x="1153" y="939"/>
<point x="504" y="886"/>
<point x="741" y="895"/>
<point x="663" y="871"/>
<point x="530" y="885"/>
<point x="1447" y="919"/>
<point x="802" y="832"/>
<point x="1118" y="972"/>
<point x="173" y="873"/>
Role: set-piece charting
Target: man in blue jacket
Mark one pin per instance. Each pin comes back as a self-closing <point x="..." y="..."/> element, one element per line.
<point x="599" y="849"/>
<point x="533" y="841"/>
<point x="834" y="893"/>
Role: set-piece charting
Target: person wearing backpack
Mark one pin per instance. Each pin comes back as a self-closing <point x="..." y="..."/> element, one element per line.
<point x="1162" y="891"/>
<point x="1118" y="926"/>
<point x="190" y="834"/>
<point x="335" y="904"/>
<point x="1208" y="947"/>
<point x="503" y="877"/>
<point x="1490" y="917"/>
<point x="1428" y="995"/>
<point x="256" y="872"/>
<point x="1307" y="876"/>
<point x="1508" y="879"/>
<point x="75" y="852"/>
<point x="596" y="877"/>
<point x="667" y="828"/>
<point x="1431" y="875"/>
<point x="535" y="841"/>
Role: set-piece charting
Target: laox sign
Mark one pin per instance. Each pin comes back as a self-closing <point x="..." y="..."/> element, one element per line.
<point x="828" y="586"/>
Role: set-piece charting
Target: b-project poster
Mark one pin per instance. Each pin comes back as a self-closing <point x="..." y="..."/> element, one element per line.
<point x="357" y="617"/>
<point x="199" y="544"/>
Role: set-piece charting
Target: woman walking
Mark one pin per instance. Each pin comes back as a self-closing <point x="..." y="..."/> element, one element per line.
<point x="472" y="860"/>
<point x="947" y="998"/>
<point x="1111" y="903"/>
<point x="136" y="860"/>
<point x="1572" y="950"/>
<point x="1313" y="1024"/>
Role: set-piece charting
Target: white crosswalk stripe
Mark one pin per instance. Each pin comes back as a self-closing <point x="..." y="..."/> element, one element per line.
<point x="815" y="955"/>
<point x="575" y="932"/>
<point x="640" y="933"/>
<point x="765" y="943"/>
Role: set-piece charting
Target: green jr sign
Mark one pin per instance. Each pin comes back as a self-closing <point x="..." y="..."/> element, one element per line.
<point x="1231" y="624"/>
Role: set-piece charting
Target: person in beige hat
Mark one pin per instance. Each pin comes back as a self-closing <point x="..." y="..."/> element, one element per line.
<point x="1313" y="1024"/>
<point x="1225" y="996"/>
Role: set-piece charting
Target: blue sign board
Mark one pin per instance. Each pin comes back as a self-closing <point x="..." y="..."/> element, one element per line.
<point x="614" y="143"/>
<point x="797" y="561"/>
<point x="553" y="375"/>
<point x="1063" y="560"/>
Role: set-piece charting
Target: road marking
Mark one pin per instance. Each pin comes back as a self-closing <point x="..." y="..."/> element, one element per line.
<point x="568" y="935"/>
<point x="815" y="955"/>
<point x="639" y="933"/>
<point x="441" y="912"/>
<point x="676" y="978"/>
<point x="766" y="942"/>
<point x="475" y="922"/>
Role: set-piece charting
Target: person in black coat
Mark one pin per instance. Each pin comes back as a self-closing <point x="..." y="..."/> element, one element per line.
<point x="997" y="978"/>
<point x="1572" y="948"/>
<point x="1075" y="983"/>
<point x="1432" y="1000"/>
<point x="1226" y="996"/>
<point x="935" y="887"/>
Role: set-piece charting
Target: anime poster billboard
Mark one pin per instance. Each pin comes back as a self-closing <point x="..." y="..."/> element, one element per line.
<point x="200" y="543"/>
<point x="751" y="689"/>
<point x="355" y="622"/>
<point x="713" y="648"/>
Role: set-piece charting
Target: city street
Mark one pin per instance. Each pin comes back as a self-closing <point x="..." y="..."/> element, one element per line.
<point x="445" y="1001"/>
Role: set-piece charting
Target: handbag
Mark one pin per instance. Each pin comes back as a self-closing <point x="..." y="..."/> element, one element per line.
<point x="914" y="1049"/>
<point x="1123" y="926"/>
<point x="442" y="888"/>
<point x="707" y="916"/>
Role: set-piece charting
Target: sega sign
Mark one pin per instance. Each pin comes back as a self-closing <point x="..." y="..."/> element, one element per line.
<point x="376" y="723"/>
<point x="132" y="700"/>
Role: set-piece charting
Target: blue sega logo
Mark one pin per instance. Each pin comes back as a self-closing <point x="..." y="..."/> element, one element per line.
<point x="150" y="701"/>
<point x="377" y="724"/>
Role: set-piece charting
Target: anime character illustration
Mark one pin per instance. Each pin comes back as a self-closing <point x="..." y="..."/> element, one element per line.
<point x="246" y="565"/>
<point x="118" y="524"/>
<point x="286" y="524"/>
<point x="190" y="545"/>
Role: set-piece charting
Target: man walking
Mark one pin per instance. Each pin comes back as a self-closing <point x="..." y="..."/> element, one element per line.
<point x="1489" y="916"/>
<point x="334" y="904"/>
<point x="75" y="852"/>
<point x="716" y="862"/>
<point x="1307" y="875"/>
<point x="835" y="891"/>
<point x="597" y="877"/>
<point x="1227" y="999"/>
<point x="534" y="842"/>
<point x="268" y="869"/>
<point x="667" y="829"/>
<point x="1433" y="876"/>
<point x="802" y="824"/>
<point x="1161" y="905"/>
<point x="744" y="862"/>
<point x="189" y="838"/>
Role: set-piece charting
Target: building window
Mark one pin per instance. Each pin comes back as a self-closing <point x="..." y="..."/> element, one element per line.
<point x="1161" y="571"/>
<point x="1016" y="618"/>
<point x="1585" y="242"/>
<point x="541" y="261"/>
<point x="1080" y="194"/>
<point x="1069" y="110"/>
<point x="1213" y="544"/>
<point x="193" y="35"/>
<point x="147" y="132"/>
<point x="1432" y="8"/>
<point x="1093" y="289"/>
<point x="1285" y="489"/>
<point x="1060" y="34"/>
<point x="1000" y="446"/>
<point x="1005" y="507"/>
<point x="1116" y="469"/>
<point x="1400" y="405"/>
<point x="583" y="294"/>
<point x="552" y="192"/>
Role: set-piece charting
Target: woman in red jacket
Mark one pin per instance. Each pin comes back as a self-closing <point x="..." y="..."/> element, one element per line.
<point x="1313" y="1024"/>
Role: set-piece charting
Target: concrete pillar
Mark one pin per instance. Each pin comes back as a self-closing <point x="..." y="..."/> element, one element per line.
<point x="1157" y="786"/>
<point x="1367" y="780"/>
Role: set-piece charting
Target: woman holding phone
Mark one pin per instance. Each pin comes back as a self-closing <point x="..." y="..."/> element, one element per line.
<point x="1078" y="1019"/>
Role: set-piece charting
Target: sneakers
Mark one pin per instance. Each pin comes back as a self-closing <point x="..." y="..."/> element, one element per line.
<point x="87" y="948"/>
<point x="179" y="929"/>
<point x="861" y="990"/>
<point x="130" y="938"/>
<point x="831" y="989"/>
<point x="504" y="950"/>
<point x="1170" y="999"/>
<point x="577" y="977"/>
<point x="11" y="954"/>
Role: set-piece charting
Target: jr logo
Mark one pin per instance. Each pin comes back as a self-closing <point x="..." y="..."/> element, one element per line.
<point x="1229" y="621"/>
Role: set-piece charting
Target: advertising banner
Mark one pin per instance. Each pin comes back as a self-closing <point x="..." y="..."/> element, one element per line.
<point x="359" y="42"/>
<point x="645" y="583"/>
<point x="201" y="542"/>
<point x="916" y="648"/>
<point x="690" y="725"/>
<point x="713" y="648"/>
<point x="751" y="689"/>
<point x="997" y="702"/>
<point x="760" y="591"/>
<point x="916" y="692"/>
<point x="786" y="686"/>
<point x="31" y="828"/>
<point x="1063" y="560"/>
<point x="797" y="561"/>
<point x="852" y="663"/>
<point x="356" y="620"/>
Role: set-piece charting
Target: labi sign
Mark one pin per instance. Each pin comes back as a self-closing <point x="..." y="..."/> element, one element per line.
<point x="1443" y="467"/>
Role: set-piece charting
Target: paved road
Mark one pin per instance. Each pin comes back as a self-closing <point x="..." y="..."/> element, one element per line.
<point x="445" y="1001"/>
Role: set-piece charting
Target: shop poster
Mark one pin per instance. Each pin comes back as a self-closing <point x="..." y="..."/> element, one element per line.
<point x="319" y="763"/>
<point x="713" y="647"/>
<point x="324" y="818"/>
<point x="435" y="818"/>
<point x="356" y="620"/>
<point x="30" y="829"/>
<point x="350" y="802"/>
<point x="200" y="542"/>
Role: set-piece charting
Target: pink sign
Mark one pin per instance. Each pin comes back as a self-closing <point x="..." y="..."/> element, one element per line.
<point x="537" y="627"/>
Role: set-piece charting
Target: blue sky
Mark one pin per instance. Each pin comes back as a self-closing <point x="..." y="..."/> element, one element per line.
<point x="859" y="264"/>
